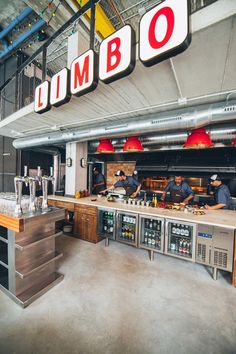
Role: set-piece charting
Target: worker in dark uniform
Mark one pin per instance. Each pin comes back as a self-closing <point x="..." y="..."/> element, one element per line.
<point x="222" y="194"/>
<point x="129" y="183"/>
<point x="180" y="191"/>
<point x="99" y="181"/>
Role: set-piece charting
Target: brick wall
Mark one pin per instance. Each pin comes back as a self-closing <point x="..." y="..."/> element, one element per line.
<point x="112" y="167"/>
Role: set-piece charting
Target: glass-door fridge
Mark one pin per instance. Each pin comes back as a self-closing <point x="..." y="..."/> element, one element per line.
<point x="127" y="228"/>
<point x="151" y="233"/>
<point x="107" y="223"/>
<point x="180" y="239"/>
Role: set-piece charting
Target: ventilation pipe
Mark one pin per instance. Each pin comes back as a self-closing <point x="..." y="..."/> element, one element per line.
<point x="217" y="135"/>
<point x="35" y="28"/>
<point x="25" y="13"/>
<point x="178" y="120"/>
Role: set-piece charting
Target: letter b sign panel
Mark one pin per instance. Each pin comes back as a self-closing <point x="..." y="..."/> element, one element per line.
<point x="164" y="31"/>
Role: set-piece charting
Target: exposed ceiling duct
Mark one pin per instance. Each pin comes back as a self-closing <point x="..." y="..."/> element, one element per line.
<point x="178" y="120"/>
<point x="222" y="134"/>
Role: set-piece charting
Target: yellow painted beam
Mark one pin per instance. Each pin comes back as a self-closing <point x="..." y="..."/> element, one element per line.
<point x="103" y="25"/>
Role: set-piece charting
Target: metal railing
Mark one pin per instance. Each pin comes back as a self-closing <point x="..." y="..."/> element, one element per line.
<point x="18" y="91"/>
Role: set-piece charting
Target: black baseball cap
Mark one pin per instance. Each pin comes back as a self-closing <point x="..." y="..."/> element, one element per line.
<point x="119" y="173"/>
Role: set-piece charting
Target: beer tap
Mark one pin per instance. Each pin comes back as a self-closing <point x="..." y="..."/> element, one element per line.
<point x="45" y="180"/>
<point x="32" y="189"/>
<point x="18" y="182"/>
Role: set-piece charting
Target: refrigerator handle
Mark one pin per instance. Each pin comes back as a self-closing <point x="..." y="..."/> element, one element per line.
<point x="166" y="236"/>
<point x="115" y="220"/>
<point x="136" y="230"/>
<point x="117" y="225"/>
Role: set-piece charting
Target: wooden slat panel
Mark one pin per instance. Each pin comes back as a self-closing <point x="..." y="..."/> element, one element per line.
<point x="86" y="209"/>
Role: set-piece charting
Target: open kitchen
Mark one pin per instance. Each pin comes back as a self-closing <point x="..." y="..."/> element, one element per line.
<point x="118" y="175"/>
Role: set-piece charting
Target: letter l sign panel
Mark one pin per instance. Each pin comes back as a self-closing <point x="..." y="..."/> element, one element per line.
<point x="41" y="101"/>
<point x="164" y="31"/>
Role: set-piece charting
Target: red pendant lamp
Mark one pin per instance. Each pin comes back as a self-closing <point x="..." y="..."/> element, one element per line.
<point x="198" y="139"/>
<point x="133" y="144"/>
<point x="105" y="146"/>
<point x="233" y="142"/>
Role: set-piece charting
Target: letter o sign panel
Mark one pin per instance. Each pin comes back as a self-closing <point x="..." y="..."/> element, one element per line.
<point x="164" y="32"/>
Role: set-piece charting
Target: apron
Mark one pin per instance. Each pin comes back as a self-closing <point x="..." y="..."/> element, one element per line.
<point x="176" y="196"/>
<point x="98" y="189"/>
<point x="130" y="189"/>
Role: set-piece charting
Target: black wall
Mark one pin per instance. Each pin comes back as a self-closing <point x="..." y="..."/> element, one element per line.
<point x="8" y="164"/>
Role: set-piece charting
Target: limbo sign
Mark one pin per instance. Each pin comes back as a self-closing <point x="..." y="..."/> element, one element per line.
<point x="163" y="33"/>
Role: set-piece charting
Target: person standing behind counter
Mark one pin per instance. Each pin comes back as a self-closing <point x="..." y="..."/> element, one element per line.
<point x="222" y="194"/>
<point x="180" y="191"/>
<point x="129" y="183"/>
<point x="99" y="181"/>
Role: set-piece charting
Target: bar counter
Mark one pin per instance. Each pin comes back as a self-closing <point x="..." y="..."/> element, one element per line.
<point x="222" y="218"/>
<point x="220" y="248"/>
<point x="28" y="254"/>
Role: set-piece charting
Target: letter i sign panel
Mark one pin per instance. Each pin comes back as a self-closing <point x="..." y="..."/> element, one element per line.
<point x="164" y="31"/>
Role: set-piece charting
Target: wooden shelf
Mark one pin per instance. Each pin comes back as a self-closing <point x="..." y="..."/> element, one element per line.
<point x="37" y="265"/>
<point x="26" y="244"/>
<point x="33" y="293"/>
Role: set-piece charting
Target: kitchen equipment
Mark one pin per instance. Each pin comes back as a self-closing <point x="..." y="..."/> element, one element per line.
<point x="214" y="247"/>
<point x="151" y="233"/>
<point x="183" y="235"/>
<point x="127" y="228"/>
<point x="106" y="226"/>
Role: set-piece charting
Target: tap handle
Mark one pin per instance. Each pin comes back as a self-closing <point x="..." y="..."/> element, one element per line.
<point x="51" y="171"/>
<point x="39" y="171"/>
<point x="25" y="171"/>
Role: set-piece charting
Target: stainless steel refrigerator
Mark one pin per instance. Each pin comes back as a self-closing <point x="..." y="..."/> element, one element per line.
<point x="180" y="239"/>
<point x="127" y="228"/>
<point x="151" y="233"/>
<point x="107" y="223"/>
<point x="215" y="247"/>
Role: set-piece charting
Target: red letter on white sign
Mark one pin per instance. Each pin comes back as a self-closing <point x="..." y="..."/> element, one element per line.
<point x="84" y="77"/>
<point x="41" y="103"/>
<point x="59" y="93"/>
<point x="164" y="31"/>
<point x="117" y="55"/>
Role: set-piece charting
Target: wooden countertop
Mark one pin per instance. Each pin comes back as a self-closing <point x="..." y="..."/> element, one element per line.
<point x="222" y="218"/>
<point x="17" y="224"/>
<point x="11" y="222"/>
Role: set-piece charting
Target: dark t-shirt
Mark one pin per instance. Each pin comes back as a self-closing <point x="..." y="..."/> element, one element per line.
<point x="184" y="187"/>
<point x="99" y="178"/>
<point x="128" y="182"/>
<point x="222" y="195"/>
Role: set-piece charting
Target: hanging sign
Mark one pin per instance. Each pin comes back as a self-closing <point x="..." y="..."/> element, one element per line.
<point x="163" y="33"/>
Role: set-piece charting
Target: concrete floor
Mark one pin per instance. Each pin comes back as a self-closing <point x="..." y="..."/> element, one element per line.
<point x="114" y="300"/>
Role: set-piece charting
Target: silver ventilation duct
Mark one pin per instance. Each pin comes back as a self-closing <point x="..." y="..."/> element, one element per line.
<point x="223" y="134"/>
<point x="184" y="119"/>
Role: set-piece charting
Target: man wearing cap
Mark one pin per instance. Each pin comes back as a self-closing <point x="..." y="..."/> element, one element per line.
<point x="222" y="194"/>
<point x="129" y="183"/>
<point x="180" y="191"/>
<point x="99" y="181"/>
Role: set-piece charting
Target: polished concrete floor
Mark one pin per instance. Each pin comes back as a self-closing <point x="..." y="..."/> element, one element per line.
<point x="114" y="300"/>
